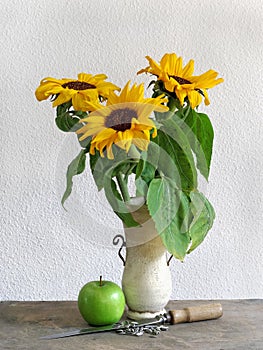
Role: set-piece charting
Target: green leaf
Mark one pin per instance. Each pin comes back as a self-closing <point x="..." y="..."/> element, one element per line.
<point x="176" y="158"/>
<point x="80" y="114"/>
<point x="61" y="109"/>
<point x="66" y="122"/>
<point x="99" y="166"/>
<point x="204" y="216"/>
<point x="85" y="143"/>
<point x="169" y="208"/>
<point x="114" y="198"/>
<point x="98" y="172"/>
<point x="199" y="131"/>
<point x="141" y="187"/>
<point x="145" y="169"/>
<point x="161" y="195"/>
<point x="93" y="160"/>
<point x="104" y="170"/>
<point x="76" y="167"/>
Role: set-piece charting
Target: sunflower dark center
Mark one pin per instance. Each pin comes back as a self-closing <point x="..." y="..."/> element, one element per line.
<point x="180" y="80"/>
<point x="120" y="119"/>
<point x="78" y="85"/>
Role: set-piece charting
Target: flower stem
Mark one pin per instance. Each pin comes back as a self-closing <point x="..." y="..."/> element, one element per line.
<point x="123" y="188"/>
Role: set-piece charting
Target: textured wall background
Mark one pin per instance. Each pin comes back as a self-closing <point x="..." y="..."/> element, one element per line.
<point x="48" y="253"/>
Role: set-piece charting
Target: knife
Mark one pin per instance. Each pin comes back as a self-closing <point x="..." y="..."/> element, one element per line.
<point x="188" y="314"/>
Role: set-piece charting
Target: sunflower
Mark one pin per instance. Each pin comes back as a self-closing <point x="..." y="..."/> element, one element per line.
<point x="86" y="88"/>
<point x="180" y="80"/>
<point x="125" y="120"/>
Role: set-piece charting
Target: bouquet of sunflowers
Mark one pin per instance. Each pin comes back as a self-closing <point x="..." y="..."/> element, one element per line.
<point x="162" y="144"/>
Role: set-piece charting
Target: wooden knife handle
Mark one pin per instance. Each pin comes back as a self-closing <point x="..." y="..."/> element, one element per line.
<point x="196" y="313"/>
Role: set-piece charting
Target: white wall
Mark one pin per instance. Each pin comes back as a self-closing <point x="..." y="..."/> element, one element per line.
<point x="47" y="253"/>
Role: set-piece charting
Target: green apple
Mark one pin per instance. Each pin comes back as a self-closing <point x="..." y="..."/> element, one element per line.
<point x="101" y="302"/>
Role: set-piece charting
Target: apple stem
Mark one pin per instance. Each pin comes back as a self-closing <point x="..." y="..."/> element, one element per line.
<point x="100" y="281"/>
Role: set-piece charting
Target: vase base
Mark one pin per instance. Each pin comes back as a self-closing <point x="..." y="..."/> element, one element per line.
<point x="135" y="315"/>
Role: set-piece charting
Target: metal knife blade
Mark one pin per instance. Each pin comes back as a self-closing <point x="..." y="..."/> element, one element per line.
<point x="82" y="331"/>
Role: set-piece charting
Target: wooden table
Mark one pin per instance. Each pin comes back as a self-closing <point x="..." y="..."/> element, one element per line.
<point x="23" y="323"/>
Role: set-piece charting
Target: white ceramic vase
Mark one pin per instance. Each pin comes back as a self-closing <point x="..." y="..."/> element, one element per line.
<point x="146" y="280"/>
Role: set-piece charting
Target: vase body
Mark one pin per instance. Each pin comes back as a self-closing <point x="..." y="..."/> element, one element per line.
<point x="146" y="280"/>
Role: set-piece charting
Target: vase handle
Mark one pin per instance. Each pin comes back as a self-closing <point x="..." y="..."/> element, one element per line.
<point x="116" y="241"/>
<point x="169" y="260"/>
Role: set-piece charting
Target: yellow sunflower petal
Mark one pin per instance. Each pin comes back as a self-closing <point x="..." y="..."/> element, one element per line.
<point x="167" y="62"/>
<point x="47" y="89"/>
<point x="92" y="149"/>
<point x="141" y="143"/>
<point x="89" y="94"/>
<point x="146" y="126"/>
<point x="101" y="144"/>
<point x="164" y="76"/>
<point x="195" y="98"/>
<point x="112" y="98"/>
<point x="105" y="134"/>
<point x="207" y="102"/>
<point x="86" y="131"/>
<point x="109" y="150"/>
<point x="100" y="76"/>
<point x="127" y="138"/>
<point x="154" y="134"/>
<point x="97" y="119"/>
<point x="42" y="93"/>
<point x="92" y="106"/>
<point x="105" y="88"/>
<point x="99" y="148"/>
<point x="62" y="98"/>
<point x="124" y="139"/>
<point x="124" y="93"/>
<point x="154" y="67"/>
<point x="79" y="99"/>
<point x="136" y="93"/>
<point x="207" y="80"/>
<point x="188" y="70"/>
<point x="142" y="112"/>
<point x="54" y="80"/>
<point x="181" y="94"/>
<point x="170" y="85"/>
<point x="147" y="134"/>
<point x="84" y="77"/>
<point x="178" y="67"/>
<point x="144" y="135"/>
<point x="172" y="65"/>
